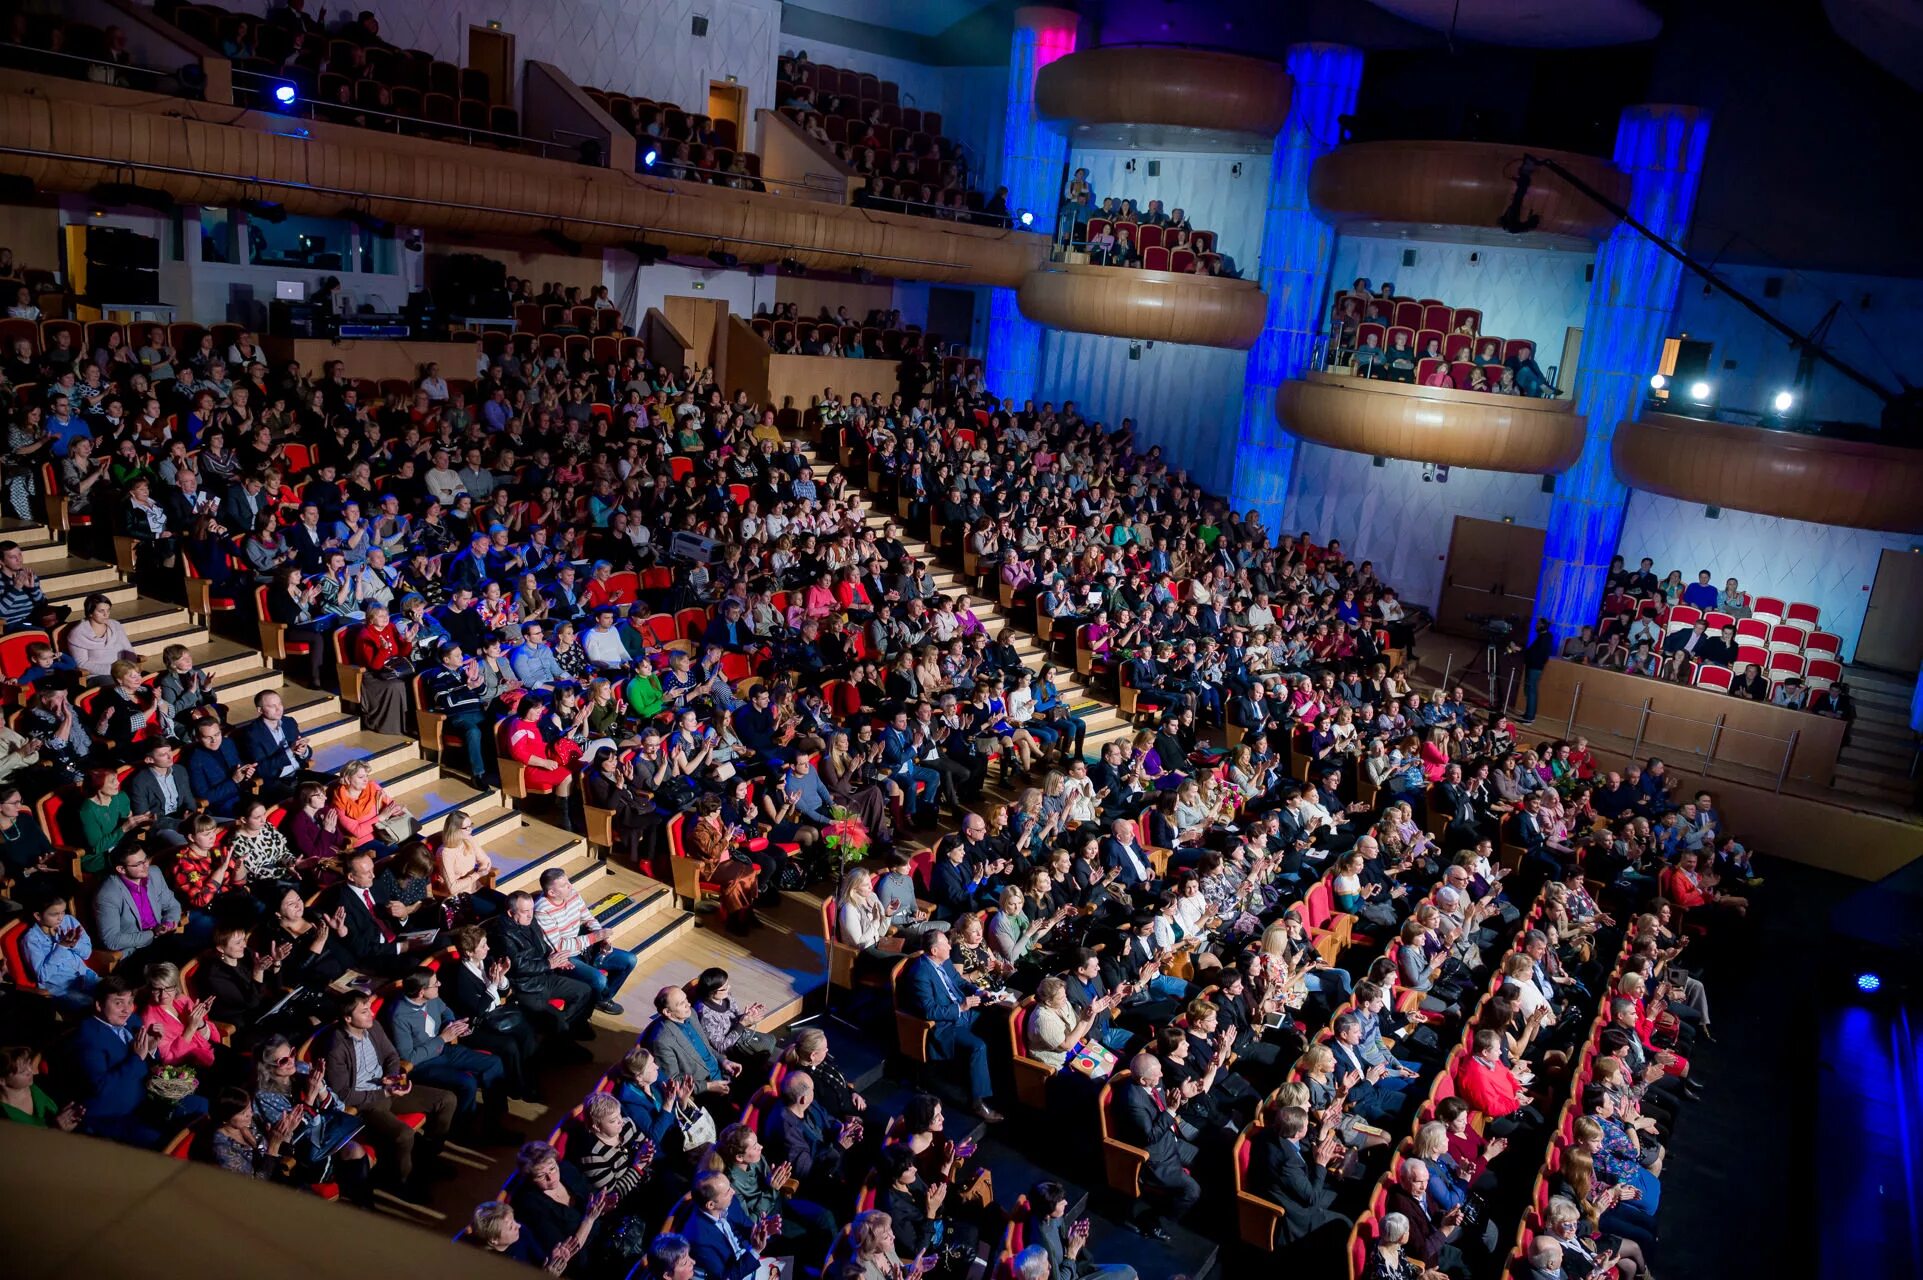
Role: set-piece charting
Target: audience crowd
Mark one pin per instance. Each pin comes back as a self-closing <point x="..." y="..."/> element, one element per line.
<point x="1118" y="234"/>
<point x="660" y="607"/>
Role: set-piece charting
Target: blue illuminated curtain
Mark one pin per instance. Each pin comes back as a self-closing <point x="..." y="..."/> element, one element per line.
<point x="1297" y="246"/>
<point x="1032" y="156"/>
<point x="1630" y="305"/>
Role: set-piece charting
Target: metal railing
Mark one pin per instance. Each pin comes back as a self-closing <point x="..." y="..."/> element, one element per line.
<point x="257" y="88"/>
<point x="186" y="81"/>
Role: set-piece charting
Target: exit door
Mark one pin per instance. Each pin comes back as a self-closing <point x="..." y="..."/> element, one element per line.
<point x="1492" y="571"/>
<point x="1892" y="638"/>
<point x="491" y="52"/>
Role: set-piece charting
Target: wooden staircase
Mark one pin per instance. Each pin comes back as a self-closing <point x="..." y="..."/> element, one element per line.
<point x="1099" y="712"/>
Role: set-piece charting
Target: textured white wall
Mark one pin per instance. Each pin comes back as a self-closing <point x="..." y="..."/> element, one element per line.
<point x="1875" y="329"/>
<point x="1536" y="293"/>
<point x="1204" y="186"/>
<point x="1183" y="398"/>
<point x="1823" y="565"/>
<point x="625" y="46"/>
<point x="1391" y="515"/>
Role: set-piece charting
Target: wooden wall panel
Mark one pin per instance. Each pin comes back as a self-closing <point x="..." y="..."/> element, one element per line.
<point x="1155" y="306"/>
<point x="666" y="345"/>
<point x="803" y="378"/>
<point x="745" y="359"/>
<point x="1181" y="88"/>
<point x="1432" y="424"/>
<point x="368" y="358"/>
<point x="76" y="135"/>
<point x="1459" y="184"/>
<point x="1755" y="735"/>
<point x="1774" y="473"/>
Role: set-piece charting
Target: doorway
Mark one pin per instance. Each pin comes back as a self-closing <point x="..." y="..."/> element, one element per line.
<point x="1891" y="638"/>
<point x="729" y="102"/>
<point x="491" y="52"/>
<point x="1492" y="571"/>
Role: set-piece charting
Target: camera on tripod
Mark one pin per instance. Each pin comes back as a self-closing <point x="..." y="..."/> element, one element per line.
<point x="1495" y="628"/>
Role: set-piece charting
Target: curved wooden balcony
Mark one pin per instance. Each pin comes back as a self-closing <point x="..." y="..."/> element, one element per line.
<point x="68" y="136"/>
<point x="1168" y="93"/>
<point x="1774" y="473"/>
<point x="1432" y="424"/>
<point x="1459" y="184"/>
<point x="1153" y="306"/>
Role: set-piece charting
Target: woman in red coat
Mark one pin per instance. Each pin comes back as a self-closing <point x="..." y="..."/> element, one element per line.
<point x="384" y="700"/>
<point x="550" y="767"/>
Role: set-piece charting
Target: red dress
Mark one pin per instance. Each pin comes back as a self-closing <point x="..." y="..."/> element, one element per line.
<point x="524" y="743"/>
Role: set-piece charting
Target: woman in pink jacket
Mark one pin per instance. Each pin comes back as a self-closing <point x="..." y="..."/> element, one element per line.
<point x="187" y="1032"/>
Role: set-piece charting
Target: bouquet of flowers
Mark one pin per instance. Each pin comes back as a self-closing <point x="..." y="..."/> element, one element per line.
<point x="171" y="1084"/>
<point x="845" y="838"/>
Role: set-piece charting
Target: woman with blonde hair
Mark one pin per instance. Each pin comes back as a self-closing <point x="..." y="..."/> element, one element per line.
<point x="861" y="920"/>
<point x="362" y="804"/>
<point x="187" y="1033"/>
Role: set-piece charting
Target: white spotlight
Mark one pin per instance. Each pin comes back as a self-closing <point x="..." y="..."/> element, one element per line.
<point x="1657" y="382"/>
<point x="1700" y="391"/>
<point x="1784" y="401"/>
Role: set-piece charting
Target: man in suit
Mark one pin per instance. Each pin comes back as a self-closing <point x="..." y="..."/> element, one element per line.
<point x="801" y="1134"/>
<point x="136" y="912"/>
<point x="727" y="629"/>
<point x="724" y="1244"/>
<point x="162" y="790"/>
<point x="1455" y="801"/>
<point x="307" y="539"/>
<point x="272" y="741"/>
<point x="923" y="786"/>
<point x="539" y="972"/>
<point x="241" y="509"/>
<point x="1377" y="1095"/>
<point x="215" y="771"/>
<point x="678" y="1043"/>
<point x="372" y="938"/>
<point x="934" y="990"/>
<point x="1428" y="1242"/>
<point x="366" y="1072"/>
<point x="1123" y="850"/>
<point x="1295" y="1176"/>
<point x="427" y="1033"/>
<point x="110" y="1057"/>
<point x="1141" y="1117"/>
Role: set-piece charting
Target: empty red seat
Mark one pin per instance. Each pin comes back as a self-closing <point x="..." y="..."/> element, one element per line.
<point x="1711" y="676"/>
<point x="1786" y="639"/>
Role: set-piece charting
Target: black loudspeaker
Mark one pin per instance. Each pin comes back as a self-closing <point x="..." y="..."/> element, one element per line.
<point x="699" y="25"/>
<point x="117" y="246"/>
<point x="1549" y="484"/>
<point x="292" y="320"/>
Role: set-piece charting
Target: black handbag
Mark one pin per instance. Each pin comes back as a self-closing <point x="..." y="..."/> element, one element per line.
<point x="395" y="668"/>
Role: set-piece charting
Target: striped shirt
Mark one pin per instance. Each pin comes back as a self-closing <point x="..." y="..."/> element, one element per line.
<point x="565" y="924"/>
<point x="19" y="604"/>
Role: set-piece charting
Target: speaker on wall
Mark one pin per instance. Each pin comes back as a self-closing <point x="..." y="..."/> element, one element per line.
<point x="1549" y="484"/>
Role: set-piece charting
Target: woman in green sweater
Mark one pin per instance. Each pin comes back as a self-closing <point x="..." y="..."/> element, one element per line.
<point x="22" y="1101"/>
<point x="105" y="820"/>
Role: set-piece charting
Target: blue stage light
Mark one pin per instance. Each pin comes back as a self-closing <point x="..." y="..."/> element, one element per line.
<point x="1869" y="983"/>
<point x="649" y="156"/>
<point x="285" y="94"/>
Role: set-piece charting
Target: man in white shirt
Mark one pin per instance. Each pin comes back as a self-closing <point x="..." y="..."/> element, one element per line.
<point x="442" y="481"/>
<point x="603" y="643"/>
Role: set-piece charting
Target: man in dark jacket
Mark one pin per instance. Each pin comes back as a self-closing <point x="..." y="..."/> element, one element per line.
<point x="539" y="972"/>
<point x="1141" y="1118"/>
<point x="1295" y="1176"/>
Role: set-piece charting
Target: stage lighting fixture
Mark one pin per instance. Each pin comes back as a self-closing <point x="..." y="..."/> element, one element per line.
<point x="722" y="258"/>
<point x="285" y="94"/>
<point x="1028" y="217"/>
<point x="1784" y="401"/>
<point x="648" y="158"/>
<point x="1700" y="392"/>
<point x="793" y="267"/>
<point x="1657" y="382"/>
<point x="1869" y="983"/>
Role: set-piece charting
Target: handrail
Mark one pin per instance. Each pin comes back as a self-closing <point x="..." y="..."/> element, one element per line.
<point x="319" y="109"/>
<point x="38" y="55"/>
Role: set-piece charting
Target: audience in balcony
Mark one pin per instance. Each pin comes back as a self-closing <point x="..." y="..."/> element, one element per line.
<point x="1396" y="339"/>
<point x="1794" y="667"/>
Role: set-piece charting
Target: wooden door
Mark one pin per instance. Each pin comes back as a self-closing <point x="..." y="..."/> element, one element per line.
<point x="1492" y="569"/>
<point x="492" y="51"/>
<point x="1892" y="635"/>
<point x="729" y="102"/>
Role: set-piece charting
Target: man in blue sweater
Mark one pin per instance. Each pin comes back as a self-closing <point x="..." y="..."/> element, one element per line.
<point x="110" y="1058"/>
